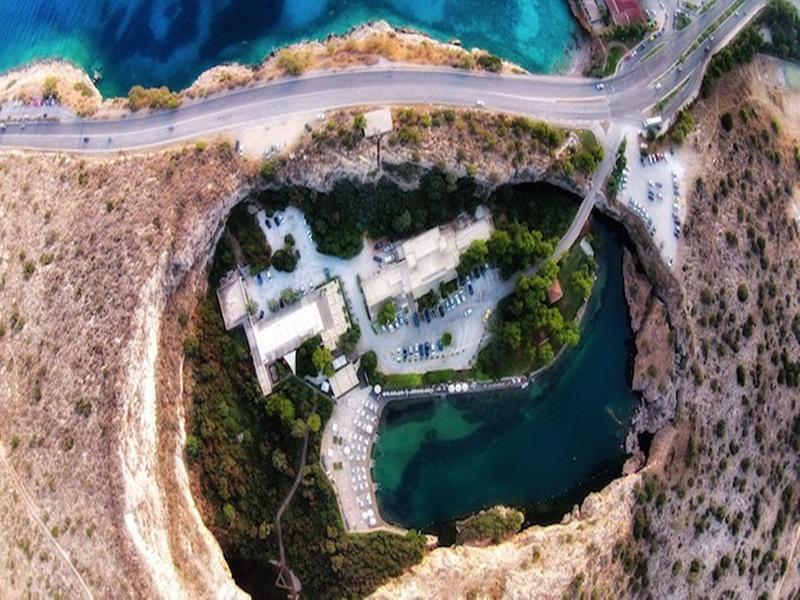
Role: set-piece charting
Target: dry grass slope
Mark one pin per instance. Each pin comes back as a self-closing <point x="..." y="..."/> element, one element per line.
<point x="89" y="251"/>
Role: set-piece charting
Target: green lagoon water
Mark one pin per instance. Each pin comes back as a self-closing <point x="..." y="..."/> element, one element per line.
<point x="541" y="449"/>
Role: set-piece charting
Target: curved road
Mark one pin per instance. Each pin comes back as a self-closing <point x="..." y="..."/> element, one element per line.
<point x="625" y="98"/>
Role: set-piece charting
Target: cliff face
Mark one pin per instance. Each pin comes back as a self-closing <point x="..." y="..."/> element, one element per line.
<point x="91" y="251"/>
<point x="653" y="362"/>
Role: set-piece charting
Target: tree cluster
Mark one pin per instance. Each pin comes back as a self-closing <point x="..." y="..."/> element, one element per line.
<point x="243" y="226"/>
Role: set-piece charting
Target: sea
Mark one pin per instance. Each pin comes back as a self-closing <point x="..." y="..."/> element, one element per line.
<point x="170" y="42"/>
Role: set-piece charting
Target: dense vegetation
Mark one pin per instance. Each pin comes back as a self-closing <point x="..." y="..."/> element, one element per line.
<point x="540" y="206"/>
<point x="527" y="332"/>
<point x="492" y="525"/>
<point x="684" y="123"/>
<point x="740" y="51"/>
<point x="245" y="447"/>
<point x="783" y="20"/>
<point x="244" y="227"/>
<point x="615" y="179"/>
<point x="628" y="34"/>
<point x="339" y="219"/>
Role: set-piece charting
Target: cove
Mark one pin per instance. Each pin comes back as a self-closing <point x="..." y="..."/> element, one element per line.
<point x="170" y="42"/>
<point x="541" y="449"/>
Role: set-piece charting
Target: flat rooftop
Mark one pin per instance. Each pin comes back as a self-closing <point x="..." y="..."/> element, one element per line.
<point x="429" y="259"/>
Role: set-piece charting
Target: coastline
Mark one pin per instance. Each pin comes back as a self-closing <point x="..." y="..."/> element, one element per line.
<point x="362" y="45"/>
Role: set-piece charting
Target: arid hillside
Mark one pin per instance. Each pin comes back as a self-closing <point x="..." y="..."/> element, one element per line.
<point x="90" y="250"/>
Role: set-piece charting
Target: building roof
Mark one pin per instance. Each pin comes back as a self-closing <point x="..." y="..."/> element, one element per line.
<point x="344" y="380"/>
<point x="233" y="302"/>
<point x="320" y="313"/>
<point x="554" y="292"/>
<point x="625" y="12"/>
<point x="429" y="259"/>
<point x="378" y="122"/>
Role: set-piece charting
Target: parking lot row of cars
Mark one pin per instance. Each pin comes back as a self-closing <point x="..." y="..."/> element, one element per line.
<point x="446" y="305"/>
<point x="420" y="351"/>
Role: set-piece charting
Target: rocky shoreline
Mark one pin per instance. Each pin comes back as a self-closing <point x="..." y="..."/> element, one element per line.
<point x="362" y="45"/>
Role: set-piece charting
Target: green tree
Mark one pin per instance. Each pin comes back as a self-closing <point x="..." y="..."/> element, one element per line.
<point x="369" y="363"/>
<point x="284" y="260"/>
<point x="314" y="422"/>
<point x="387" y="313"/>
<point x="323" y="361"/>
<point x="280" y="406"/>
<point x="192" y="446"/>
<point x="474" y="256"/>
<point x="349" y="340"/>
<point x="583" y="281"/>
<point x="447" y="338"/>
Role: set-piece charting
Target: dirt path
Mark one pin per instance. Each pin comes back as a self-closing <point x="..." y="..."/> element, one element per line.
<point x="33" y="511"/>
<point x="285" y="504"/>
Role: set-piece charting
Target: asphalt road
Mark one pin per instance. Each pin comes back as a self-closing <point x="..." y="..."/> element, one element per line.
<point x="625" y="99"/>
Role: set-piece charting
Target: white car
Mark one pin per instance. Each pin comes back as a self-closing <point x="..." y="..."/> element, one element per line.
<point x="319" y="116"/>
<point x="600" y="86"/>
<point x="658" y="85"/>
<point x="480" y="103"/>
<point x="468" y="312"/>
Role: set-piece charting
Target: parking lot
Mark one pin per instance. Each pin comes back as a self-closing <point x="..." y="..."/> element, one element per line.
<point x="415" y="344"/>
<point x="463" y="316"/>
<point x="654" y="189"/>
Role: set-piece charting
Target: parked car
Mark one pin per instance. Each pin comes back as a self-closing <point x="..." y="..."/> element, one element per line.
<point x="471" y="289"/>
<point x="427" y="315"/>
<point x="378" y="259"/>
<point x="415" y="317"/>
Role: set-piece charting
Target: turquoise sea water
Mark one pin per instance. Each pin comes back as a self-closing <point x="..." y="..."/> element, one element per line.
<point x="540" y="449"/>
<point x="155" y="42"/>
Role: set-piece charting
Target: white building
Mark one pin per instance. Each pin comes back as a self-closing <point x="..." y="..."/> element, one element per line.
<point x="424" y="262"/>
<point x="322" y="312"/>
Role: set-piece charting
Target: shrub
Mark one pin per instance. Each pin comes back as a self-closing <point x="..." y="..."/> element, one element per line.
<point x="268" y="170"/>
<point x="50" y="87"/>
<point x="293" y="62"/>
<point x="284" y="260"/>
<point x="447" y="338"/>
<point x="741" y="293"/>
<point x="82" y="88"/>
<point x="727" y="121"/>
<point x="154" y="98"/>
<point x="493" y="525"/>
<point x="490" y="62"/>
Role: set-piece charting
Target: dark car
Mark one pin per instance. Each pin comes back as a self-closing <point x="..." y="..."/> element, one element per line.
<point x="471" y="289"/>
<point x="269" y="225"/>
<point x="440" y="345"/>
<point x="277" y="221"/>
<point x="427" y="349"/>
<point x="405" y="353"/>
<point x="427" y="316"/>
<point x="377" y="259"/>
<point x="441" y="310"/>
<point x="416" y="320"/>
<point x="476" y="273"/>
